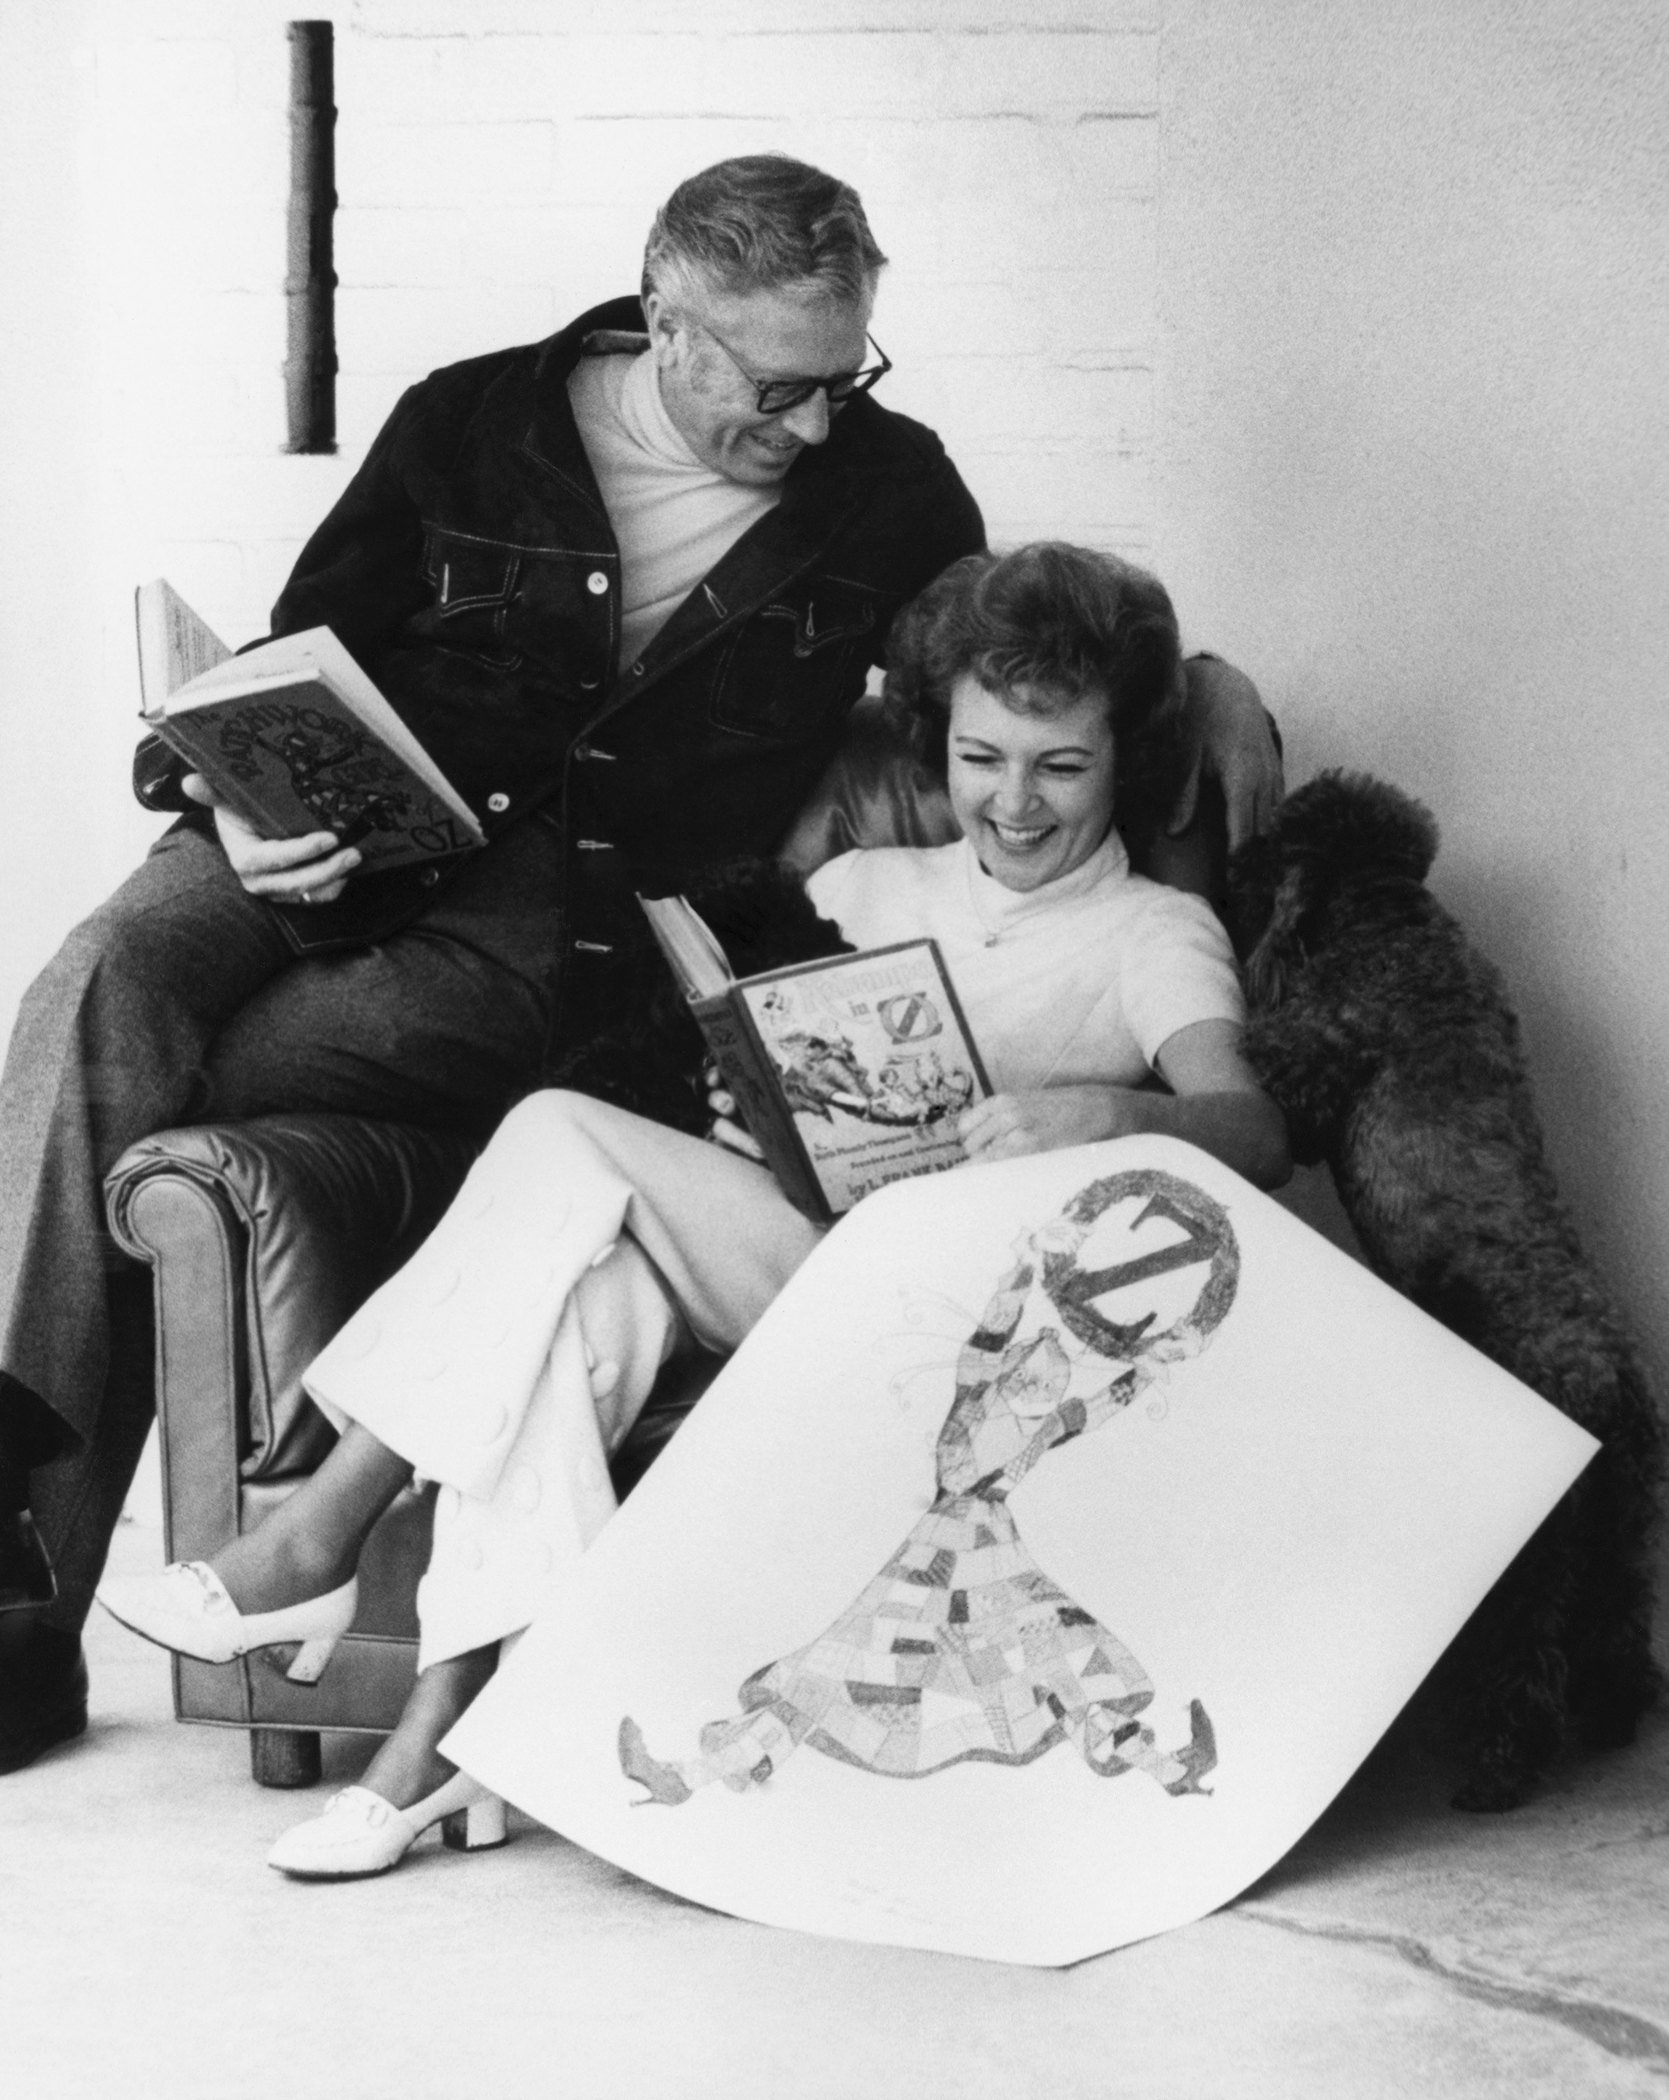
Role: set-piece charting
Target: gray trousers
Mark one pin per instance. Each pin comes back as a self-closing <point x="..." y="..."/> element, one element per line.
<point x="180" y="1001"/>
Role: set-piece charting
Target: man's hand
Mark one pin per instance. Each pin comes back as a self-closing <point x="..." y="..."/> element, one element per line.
<point x="1231" y="739"/>
<point x="1009" y="1126"/>
<point x="308" y="870"/>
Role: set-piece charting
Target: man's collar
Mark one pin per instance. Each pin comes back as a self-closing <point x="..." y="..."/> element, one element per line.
<point x="589" y="334"/>
<point x="614" y="342"/>
<point x="552" y="436"/>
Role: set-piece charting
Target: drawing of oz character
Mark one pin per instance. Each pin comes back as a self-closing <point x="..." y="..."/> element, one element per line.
<point x="962" y="1648"/>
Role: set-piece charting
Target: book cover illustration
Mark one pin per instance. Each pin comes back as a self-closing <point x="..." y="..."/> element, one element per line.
<point x="295" y="737"/>
<point x="295" y="761"/>
<point x="874" y="1061"/>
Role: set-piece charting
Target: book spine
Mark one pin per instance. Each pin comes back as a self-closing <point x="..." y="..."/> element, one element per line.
<point x="749" y="1075"/>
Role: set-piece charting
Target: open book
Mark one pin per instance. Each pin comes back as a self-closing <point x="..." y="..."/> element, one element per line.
<point x="850" y="1072"/>
<point x="295" y="737"/>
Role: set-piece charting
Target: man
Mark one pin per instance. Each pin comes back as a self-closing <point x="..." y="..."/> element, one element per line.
<point x="626" y="594"/>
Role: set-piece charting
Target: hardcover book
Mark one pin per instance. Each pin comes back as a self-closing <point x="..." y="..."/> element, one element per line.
<point x="295" y="737"/>
<point x="850" y="1072"/>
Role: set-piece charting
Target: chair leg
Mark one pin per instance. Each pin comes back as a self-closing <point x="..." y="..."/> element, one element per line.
<point x="285" y="1757"/>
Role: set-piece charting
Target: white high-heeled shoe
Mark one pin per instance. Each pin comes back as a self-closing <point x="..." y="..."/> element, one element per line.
<point x="361" y="1834"/>
<point x="187" y="1609"/>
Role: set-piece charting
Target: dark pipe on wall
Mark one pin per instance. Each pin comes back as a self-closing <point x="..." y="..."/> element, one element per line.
<point x="310" y="285"/>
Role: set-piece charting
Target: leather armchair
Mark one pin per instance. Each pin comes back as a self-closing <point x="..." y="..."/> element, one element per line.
<point x="264" y="1236"/>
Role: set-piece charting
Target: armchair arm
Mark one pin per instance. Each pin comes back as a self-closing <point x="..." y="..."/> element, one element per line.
<point x="874" y="793"/>
<point x="307" y="1215"/>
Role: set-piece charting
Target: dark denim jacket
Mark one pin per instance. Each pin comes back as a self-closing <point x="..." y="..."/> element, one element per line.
<point x="471" y="569"/>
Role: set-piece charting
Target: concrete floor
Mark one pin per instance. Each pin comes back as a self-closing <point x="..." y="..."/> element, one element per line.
<point x="1400" y="1950"/>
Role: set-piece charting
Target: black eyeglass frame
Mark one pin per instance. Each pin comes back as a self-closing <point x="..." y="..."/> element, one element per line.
<point x="775" y="397"/>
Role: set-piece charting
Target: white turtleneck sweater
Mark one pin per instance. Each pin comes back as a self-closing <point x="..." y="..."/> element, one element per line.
<point x="673" y="517"/>
<point x="1082" y="980"/>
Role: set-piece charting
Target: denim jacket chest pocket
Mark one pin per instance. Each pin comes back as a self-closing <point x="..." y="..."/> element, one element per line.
<point x="500" y="605"/>
<point x="801" y="656"/>
<point x="473" y="584"/>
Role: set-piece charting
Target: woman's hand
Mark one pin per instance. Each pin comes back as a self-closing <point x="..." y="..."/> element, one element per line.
<point x="724" y="1129"/>
<point x="1009" y="1126"/>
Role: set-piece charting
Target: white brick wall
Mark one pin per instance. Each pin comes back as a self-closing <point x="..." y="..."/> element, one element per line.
<point x="497" y="165"/>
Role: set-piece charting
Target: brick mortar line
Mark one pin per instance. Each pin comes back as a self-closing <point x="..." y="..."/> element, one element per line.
<point x="1059" y="119"/>
<point x="483" y="36"/>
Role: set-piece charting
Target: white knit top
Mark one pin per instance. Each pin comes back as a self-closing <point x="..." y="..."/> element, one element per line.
<point x="673" y="517"/>
<point x="1081" y="980"/>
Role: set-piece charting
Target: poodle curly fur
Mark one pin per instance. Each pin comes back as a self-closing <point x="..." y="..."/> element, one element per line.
<point x="652" y="1059"/>
<point x="1389" y="1044"/>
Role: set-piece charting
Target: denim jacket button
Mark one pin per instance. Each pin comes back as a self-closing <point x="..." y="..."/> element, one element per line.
<point x="596" y="583"/>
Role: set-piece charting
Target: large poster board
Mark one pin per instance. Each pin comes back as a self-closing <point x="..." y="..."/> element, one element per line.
<point x="1049" y="1557"/>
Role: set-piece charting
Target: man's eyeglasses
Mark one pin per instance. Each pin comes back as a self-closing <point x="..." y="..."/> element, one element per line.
<point x="774" y="397"/>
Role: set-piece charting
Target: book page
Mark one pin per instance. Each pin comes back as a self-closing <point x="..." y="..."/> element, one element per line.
<point x="691" y="947"/>
<point x="875" y="1062"/>
<point x="175" y="644"/>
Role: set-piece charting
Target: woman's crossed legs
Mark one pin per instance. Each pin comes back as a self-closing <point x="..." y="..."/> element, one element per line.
<point x="708" y="1242"/>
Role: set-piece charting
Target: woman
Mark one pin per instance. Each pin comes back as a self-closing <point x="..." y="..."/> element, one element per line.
<point x="588" y="1245"/>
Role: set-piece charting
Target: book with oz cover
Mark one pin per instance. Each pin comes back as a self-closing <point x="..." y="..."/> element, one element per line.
<point x="850" y="1072"/>
<point x="295" y="737"/>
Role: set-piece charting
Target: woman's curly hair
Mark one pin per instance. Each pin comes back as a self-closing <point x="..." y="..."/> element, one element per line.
<point x="1043" y="628"/>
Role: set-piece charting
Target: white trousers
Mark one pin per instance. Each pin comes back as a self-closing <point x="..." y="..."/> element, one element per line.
<point x="513" y="1353"/>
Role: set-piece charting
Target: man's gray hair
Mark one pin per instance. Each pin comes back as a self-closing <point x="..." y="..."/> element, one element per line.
<point x="761" y="222"/>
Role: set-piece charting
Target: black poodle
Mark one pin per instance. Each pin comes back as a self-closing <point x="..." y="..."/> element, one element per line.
<point x="1390" y="1046"/>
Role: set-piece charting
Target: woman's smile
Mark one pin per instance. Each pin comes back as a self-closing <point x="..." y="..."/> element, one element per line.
<point x="1033" y="790"/>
